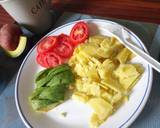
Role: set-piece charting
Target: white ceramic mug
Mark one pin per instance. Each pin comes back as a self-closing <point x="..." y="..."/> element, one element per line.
<point x="32" y="14"/>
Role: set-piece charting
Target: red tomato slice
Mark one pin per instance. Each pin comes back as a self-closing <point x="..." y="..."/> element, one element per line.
<point x="52" y="59"/>
<point x="41" y="60"/>
<point x="63" y="38"/>
<point x="64" y="47"/>
<point x="79" y="32"/>
<point x="47" y="44"/>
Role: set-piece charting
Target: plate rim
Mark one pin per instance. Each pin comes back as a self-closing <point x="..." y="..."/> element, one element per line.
<point x="140" y="107"/>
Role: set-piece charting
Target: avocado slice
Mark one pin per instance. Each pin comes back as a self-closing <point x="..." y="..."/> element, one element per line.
<point x="20" y="48"/>
<point x="51" y="87"/>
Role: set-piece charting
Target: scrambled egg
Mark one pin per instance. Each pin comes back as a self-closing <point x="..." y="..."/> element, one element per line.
<point x="104" y="75"/>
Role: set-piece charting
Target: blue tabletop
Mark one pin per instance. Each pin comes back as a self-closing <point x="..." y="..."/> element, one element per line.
<point x="148" y="33"/>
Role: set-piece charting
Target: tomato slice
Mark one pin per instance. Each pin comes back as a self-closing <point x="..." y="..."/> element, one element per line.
<point x="79" y="32"/>
<point x="52" y="59"/>
<point x="63" y="38"/>
<point x="64" y="46"/>
<point x="47" y="44"/>
<point x="41" y="60"/>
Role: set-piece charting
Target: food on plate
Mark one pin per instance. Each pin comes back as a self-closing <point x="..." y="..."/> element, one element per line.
<point x="102" y="109"/>
<point x="99" y="72"/>
<point x="49" y="59"/>
<point x="104" y="75"/>
<point x="11" y="40"/>
<point x="47" y="44"/>
<point x="55" y="50"/>
<point x="64" y="114"/>
<point x="51" y="86"/>
<point x="79" y="32"/>
<point x="64" y="46"/>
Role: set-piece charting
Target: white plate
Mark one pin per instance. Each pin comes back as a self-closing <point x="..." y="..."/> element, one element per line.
<point x="78" y="113"/>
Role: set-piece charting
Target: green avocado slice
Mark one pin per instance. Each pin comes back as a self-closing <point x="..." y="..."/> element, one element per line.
<point x="43" y="105"/>
<point x="51" y="87"/>
<point x="43" y="77"/>
<point x="62" y="78"/>
<point x="20" y="48"/>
